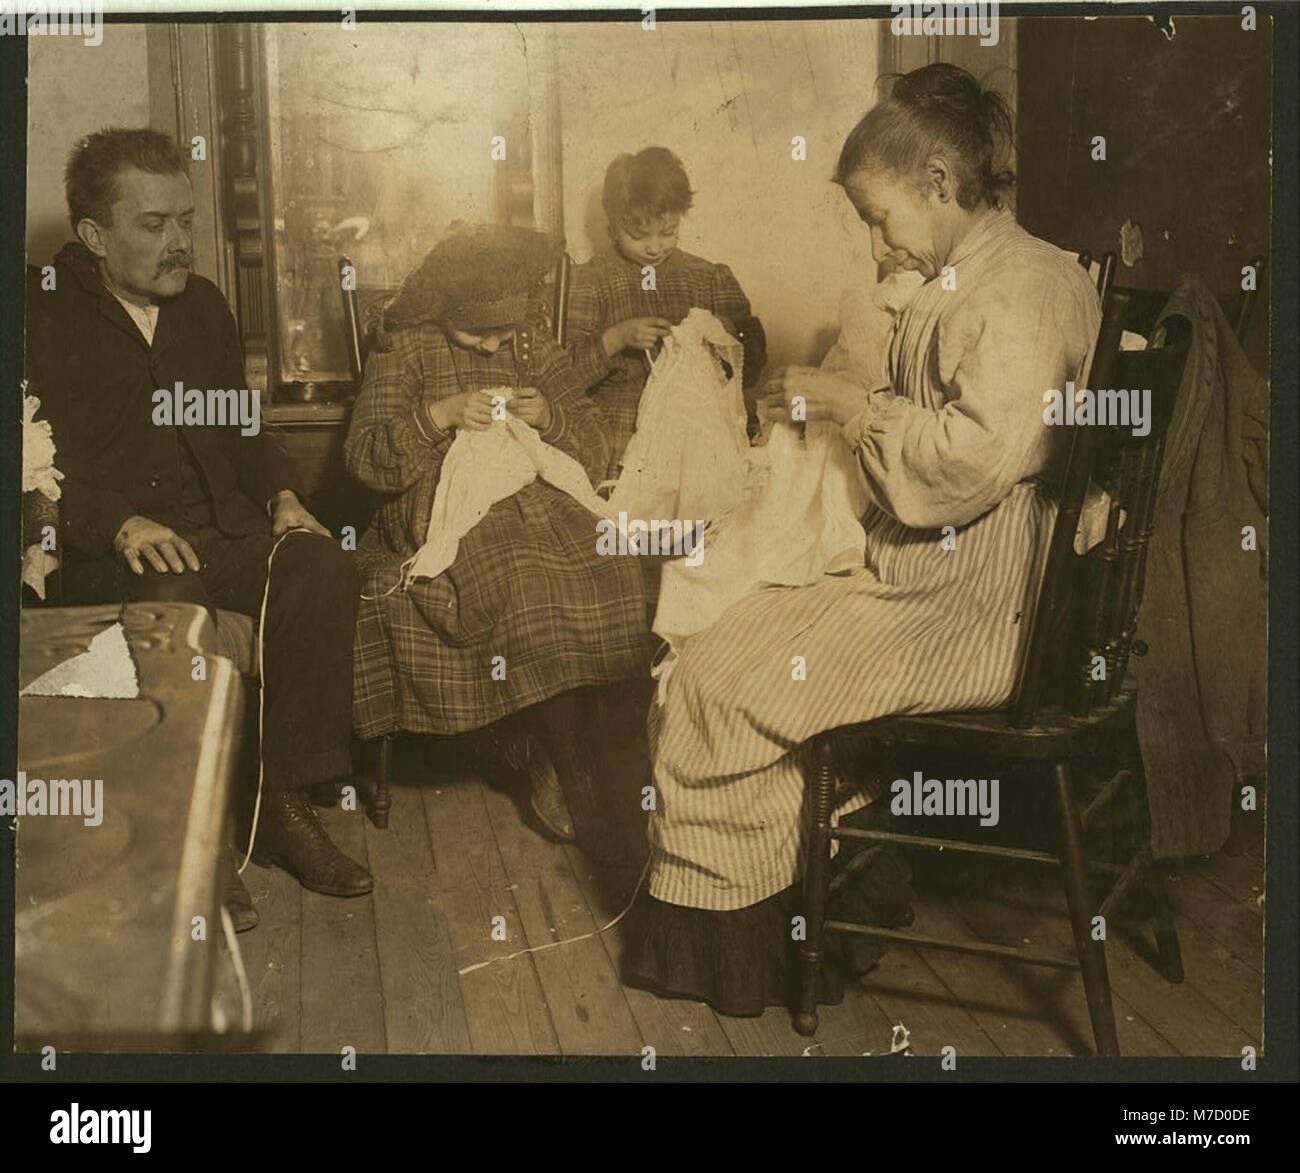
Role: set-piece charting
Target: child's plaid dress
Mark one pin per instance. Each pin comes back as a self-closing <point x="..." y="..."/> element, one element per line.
<point x="527" y="584"/>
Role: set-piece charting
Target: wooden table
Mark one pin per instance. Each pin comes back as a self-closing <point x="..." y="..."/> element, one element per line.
<point x="105" y="952"/>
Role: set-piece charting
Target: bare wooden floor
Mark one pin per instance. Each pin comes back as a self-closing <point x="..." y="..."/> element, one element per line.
<point x="393" y="972"/>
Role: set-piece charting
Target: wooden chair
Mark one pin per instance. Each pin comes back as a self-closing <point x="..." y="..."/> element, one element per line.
<point x="1060" y="716"/>
<point x="380" y="799"/>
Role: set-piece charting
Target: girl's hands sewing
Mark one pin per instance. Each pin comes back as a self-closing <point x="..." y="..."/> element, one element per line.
<point x="824" y="396"/>
<point x="531" y="406"/>
<point x="471" y="410"/>
<point x="635" y="334"/>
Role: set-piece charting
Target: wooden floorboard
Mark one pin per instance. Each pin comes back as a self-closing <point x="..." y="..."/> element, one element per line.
<point x="1217" y="973"/>
<point x="673" y="1026"/>
<point x="504" y="1003"/>
<point x="857" y="1026"/>
<point x="1236" y="926"/>
<point x="1241" y="877"/>
<point x="770" y="1033"/>
<point x="908" y="991"/>
<point x="587" y="1005"/>
<point x="424" y="1013"/>
<point x="272" y="954"/>
<point x="383" y="972"/>
<point x="342" y="995"/>
<point x="1179" y="1012"/>
<point x="1057" y="995"/>
<point x="994" y="997"/>
<point x="1222" y="978"/>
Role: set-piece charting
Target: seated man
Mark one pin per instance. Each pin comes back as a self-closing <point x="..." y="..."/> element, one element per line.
<point x="161" y="507"/>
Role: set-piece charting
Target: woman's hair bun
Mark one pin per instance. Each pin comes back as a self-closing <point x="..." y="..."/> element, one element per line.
<point x="937" y="108"/>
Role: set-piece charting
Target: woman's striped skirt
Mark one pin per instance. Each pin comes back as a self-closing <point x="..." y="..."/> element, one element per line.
<point x="928" y="625"/>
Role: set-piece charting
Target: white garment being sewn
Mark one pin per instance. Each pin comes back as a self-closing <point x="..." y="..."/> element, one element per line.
<point x="786" y="513"/>
<point x="689" y="458"/>
<point x="800" y="516"/>
<point x="801" y="525"/>
<point x="482" y="468"/>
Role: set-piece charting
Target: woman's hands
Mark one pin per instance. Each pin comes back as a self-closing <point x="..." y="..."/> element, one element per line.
<point x="531" y="406"/>
<point x="471" y="410"/>
<point x="635" y="334"/>
<point x="816" y="394"/>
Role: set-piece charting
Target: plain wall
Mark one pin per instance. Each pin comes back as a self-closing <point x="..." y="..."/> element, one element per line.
<point x="1186" y="122"/>
<point x="728" y="98"/>
<point x="74" y="89"/>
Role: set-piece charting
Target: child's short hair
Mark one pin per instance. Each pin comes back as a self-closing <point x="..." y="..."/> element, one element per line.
<point x="642" y="187"/>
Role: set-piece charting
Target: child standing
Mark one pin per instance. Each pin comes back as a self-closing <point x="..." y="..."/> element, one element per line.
<point x="619" y="310"/>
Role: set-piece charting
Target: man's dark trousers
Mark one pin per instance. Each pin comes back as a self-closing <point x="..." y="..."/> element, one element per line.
<point x="310" y="622"/>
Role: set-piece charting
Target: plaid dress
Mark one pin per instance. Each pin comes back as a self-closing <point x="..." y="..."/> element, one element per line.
<point x="607" y="290"/>
<point x="527" y="584"/>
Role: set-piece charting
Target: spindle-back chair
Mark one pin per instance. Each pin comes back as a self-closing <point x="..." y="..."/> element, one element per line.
<point x="1070" y="704"/>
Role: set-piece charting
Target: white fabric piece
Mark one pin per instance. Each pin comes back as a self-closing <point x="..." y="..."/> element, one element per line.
<point x="801" y="520"/>
<point x="39" y="475"/>
<point x="38" y="564"/>
<point x="39" y="452"/>
<point x="482" y="468"/>
<point x="689" y="457"/>
<point x="803" y="524"/>
<point x="105" y="669"/>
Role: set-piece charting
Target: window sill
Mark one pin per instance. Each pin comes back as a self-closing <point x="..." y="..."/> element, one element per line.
<point x="306" y="413"/>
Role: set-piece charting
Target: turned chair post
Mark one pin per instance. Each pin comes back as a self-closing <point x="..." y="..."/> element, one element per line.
<point x="811" y="950"/>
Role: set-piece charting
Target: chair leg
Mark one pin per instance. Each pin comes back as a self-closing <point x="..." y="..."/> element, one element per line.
<point x="381" y="800"/>
<point x="1092" y="955"/>
<point x="1168" y="950"/>
<point x="811" y="951"/>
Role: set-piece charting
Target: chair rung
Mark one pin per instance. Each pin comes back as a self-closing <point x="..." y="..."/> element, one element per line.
<point x="929" y="843"/>
<point x="981" y="948"/>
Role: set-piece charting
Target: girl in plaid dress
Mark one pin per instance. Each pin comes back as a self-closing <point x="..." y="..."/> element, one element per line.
<point x="618" y="311"/>
<point x="529" y="611"/>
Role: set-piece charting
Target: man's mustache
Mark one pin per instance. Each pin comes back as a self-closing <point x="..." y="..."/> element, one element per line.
<point x="180" y="262"/>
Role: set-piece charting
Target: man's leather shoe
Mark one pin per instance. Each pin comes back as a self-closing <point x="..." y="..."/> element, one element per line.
<point x="291" y="835"/>
<point x="324" y="793"/>
<point x="234" y="895"/>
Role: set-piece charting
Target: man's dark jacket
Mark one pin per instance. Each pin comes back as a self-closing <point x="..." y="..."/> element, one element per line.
<point x="96" y="376"/>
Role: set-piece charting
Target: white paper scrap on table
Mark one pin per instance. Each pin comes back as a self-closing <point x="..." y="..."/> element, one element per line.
<point x="105" y="669"/>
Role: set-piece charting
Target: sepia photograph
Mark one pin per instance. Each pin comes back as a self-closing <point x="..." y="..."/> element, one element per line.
<point x="726" y="534"/>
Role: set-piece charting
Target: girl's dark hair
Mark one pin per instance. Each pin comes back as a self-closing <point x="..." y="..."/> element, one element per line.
<point x="90" y="180"/>
<point x="642" y="187"/>
<point x="937" y="109"/>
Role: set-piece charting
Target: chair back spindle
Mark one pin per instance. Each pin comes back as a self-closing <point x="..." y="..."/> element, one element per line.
<point x="1086" y="613"/>
<point x="560" y="307"/>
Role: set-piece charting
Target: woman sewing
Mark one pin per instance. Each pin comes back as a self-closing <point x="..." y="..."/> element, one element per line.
<point x="957" y="439"/>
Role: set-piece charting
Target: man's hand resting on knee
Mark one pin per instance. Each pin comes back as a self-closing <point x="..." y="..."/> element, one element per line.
<point x="287" y="513"/>
<point x="163" y="548"/>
